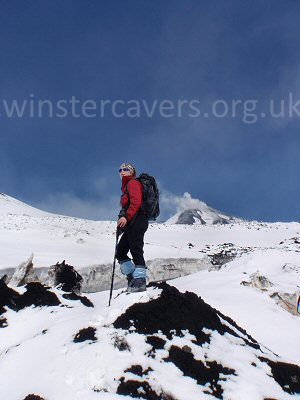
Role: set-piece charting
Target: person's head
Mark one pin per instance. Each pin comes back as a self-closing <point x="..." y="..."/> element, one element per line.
<point x="126" y="169"/>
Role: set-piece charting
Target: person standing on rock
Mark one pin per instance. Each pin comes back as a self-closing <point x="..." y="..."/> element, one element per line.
<point x="133" y="221"/>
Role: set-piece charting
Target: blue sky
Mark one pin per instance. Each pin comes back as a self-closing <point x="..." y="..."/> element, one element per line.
<point x="151" y="50"/>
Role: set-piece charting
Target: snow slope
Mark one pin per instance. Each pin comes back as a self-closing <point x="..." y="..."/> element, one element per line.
<point x="159" y="345"/>
<point x="11" y="206"/>
<point x="37" y="344"/>
<point x="25" y="230"/>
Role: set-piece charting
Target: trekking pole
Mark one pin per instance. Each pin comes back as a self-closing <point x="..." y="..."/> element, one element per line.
<point x="114" y="266"/>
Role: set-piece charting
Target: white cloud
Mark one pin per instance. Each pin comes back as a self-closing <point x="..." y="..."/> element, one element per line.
<point x="99" y="203"/>
<point x="71" y="205"/>
<point x="171" y="203"/>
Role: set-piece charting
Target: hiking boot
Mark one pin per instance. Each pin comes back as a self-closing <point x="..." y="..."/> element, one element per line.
<point x="130" y="280"/>
<point x="137" y="285"/>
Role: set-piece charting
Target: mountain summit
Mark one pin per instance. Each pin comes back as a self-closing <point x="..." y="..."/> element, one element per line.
<point x="202" y="214"/>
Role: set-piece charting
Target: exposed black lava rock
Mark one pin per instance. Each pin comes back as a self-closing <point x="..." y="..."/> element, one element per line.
<point x="141" y="390"/>
<point x="66" y="276"/>
<point x="195" y="369"/>
<point x="3" y="322"/>
<point x="173" y="312"/>
<point x="36" y="294"/>
<point x="8" y="297"/>
<point x="138" y="370"/>
<point x="33" y="397"/>
<point x="156" y="342"/>
<point x="84" y="300"/>
<point x="85" y="334"/>
<point x="287" y="375"/>
<point x="4" y="278"/>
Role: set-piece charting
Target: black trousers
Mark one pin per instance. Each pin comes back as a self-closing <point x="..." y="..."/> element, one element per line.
<point x="133" y="240"/>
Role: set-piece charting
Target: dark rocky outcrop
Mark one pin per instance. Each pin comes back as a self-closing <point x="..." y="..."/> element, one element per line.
<point x="173" y="314"/>
<point x="8" y="297"/>
<point x="36" y="294"/>
<point x="138" y="370"/>
<point x="140" y="390"/>
<point x="84" y="300"/>
<point x="85" y="334"/>
<point x="66" y="277"/>
<point x="209" y="374"/>
<point x="33" y="397"/>
<point x="287" y="375"/>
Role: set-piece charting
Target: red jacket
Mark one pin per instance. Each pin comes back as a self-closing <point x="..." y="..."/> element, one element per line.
<point x="131" y="196"/>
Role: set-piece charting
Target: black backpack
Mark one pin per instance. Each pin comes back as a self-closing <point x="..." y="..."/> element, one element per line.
<point x="150" y="202"/>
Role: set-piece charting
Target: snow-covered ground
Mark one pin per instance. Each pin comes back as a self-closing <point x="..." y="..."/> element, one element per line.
<point x="51" y="238"/>
<point x="37" y="345"/>
<point x="178" y="348"/>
